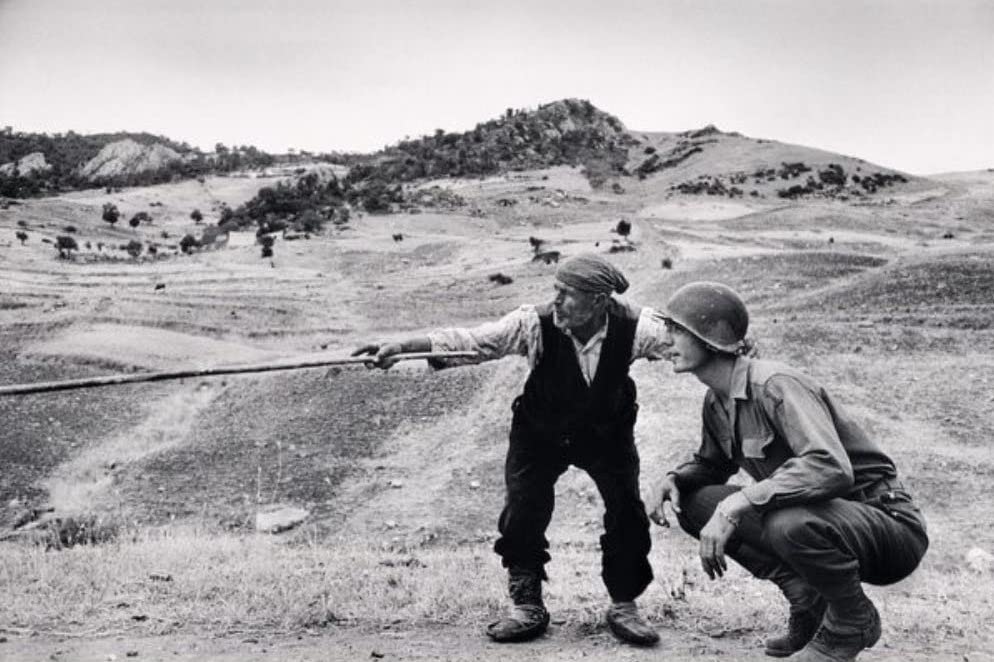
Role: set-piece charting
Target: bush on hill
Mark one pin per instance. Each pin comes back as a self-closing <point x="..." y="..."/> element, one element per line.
<point x="567" y="132"/>
<point x="305" y="204"/>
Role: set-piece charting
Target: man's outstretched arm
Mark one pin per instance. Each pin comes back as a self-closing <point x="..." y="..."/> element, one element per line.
<point x="516" y="334"/>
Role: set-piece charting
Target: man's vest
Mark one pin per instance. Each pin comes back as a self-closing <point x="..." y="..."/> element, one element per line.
<point x="558" y="403"/>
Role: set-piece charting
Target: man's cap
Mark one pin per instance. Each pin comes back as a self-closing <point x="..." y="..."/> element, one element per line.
<point x="590" y="272"/>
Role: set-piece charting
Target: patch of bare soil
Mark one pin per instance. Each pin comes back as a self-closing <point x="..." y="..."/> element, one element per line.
<point x="440" y="643"/>
<point x="239" y="453"/>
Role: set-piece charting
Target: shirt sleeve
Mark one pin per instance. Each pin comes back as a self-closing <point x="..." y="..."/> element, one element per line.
<point x="820" y="467"/>
<point x="649" y="336"/>
<point x="519" y="333"/>
<point x="709" y="465"/>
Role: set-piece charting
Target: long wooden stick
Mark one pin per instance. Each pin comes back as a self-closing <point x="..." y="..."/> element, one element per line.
<point x="113" y="380"/>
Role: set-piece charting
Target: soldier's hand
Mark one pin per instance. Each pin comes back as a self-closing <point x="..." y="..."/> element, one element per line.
<point x="714" y="537"/>
<point x="380" y="355"/>
<point x="666" y="491"/>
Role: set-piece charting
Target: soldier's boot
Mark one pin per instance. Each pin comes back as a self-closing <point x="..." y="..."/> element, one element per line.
<point x="806" y="606"/>
<point x="527" y="617"/>
<point x="850" y="626"/>
<point x="807" y="609"/>
<point x="628" y="624"/>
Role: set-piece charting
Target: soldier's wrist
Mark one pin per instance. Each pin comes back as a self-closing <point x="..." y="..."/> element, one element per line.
<point x="723" y="512"/>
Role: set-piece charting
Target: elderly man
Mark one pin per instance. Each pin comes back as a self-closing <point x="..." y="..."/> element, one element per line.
<point x="826" y="511"/>
<point x="578" y="408"/>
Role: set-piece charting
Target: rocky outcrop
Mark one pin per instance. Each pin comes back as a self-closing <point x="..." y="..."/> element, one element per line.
<point x="34" y="162"/>
<point x="127" y="157"/>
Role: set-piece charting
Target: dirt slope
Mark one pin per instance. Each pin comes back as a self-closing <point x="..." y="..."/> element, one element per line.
<point x="886" y="301"/>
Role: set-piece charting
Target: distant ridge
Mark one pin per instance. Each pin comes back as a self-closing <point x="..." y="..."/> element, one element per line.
<point x="33" y="164"/>
<point x="571" y="132"/>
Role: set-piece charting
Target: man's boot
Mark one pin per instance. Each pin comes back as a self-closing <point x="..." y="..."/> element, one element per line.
<point x="850" y="626"/>
<point x="527" y="618"/>
<point x="628" y="625"/>
<point x="807" y="609"/>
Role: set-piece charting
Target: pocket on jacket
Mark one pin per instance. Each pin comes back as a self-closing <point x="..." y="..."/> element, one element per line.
<point x="754" y="446"/>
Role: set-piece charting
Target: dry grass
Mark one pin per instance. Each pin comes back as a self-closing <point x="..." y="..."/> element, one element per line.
<point x="156" y="581"/>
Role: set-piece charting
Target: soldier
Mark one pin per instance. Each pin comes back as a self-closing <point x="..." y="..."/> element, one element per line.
<point x="578" y="408"/>
<point x="826" y="511"/>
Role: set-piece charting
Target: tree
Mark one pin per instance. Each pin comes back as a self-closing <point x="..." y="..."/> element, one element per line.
<point x="65" y="245"/>
<point x="111" y="214"/>
<point x="188" y="243"/>
<point x="134" y="248"/>
<point x="623" y="228"/>
<point x="21" y="236"/>
<point x="134" y="222"/>
<point x="196" y="216"/>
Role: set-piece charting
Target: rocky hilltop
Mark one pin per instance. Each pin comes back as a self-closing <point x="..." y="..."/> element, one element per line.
<point x="128" y="157"/>
<point x="565" y="132"/>
<point x="26" y="165"/>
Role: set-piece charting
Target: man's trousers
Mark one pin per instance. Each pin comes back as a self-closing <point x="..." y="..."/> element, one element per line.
<point x="533" y="465"/>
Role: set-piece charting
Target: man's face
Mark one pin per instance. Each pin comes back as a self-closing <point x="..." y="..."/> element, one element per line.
<point x="574" y="307"/>
<point x="687" y="353"/>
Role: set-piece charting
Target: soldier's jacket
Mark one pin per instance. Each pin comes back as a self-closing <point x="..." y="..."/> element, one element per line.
<point x="790" y="435"/>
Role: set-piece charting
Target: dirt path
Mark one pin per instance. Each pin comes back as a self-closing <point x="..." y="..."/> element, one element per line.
<point x="427" y="644"/>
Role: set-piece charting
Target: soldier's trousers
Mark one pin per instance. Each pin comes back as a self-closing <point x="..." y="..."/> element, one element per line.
<point x="832" y="545"/>
<point x="533" y="466"/>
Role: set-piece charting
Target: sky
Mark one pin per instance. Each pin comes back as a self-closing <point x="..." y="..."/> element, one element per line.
<point x="907" y="84"/>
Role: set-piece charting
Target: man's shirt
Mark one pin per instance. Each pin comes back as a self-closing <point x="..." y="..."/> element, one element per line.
<point x="788" y="434"/>
<point x="519" y="333"/>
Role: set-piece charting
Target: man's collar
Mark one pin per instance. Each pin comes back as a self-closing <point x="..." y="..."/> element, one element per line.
<point x="740" y="379"/>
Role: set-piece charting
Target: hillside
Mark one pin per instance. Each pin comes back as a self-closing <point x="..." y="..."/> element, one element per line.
<point x="35" y="164"/>
<point x="884" y="297"/>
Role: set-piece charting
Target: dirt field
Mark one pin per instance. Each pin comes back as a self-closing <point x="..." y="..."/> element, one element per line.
<point x="887" y="302"/>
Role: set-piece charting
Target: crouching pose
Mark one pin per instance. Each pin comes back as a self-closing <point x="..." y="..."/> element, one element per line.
<point x="578" y="408"/>
<point x="826" y="511"/>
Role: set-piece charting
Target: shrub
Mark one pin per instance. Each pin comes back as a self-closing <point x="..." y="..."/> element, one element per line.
<point x="111" y="214"/>
<point x="188" y="243"/>
<point x="134" y="248"/>
<point x="196" y="216"/>
<point x="21" y="236"/>
<point x="834" y="175"/>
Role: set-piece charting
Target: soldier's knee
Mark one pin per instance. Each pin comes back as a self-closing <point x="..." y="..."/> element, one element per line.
<point x="789" y="528"/>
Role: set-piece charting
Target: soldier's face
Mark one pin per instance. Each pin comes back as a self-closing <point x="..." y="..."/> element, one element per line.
<point x="687" y="353"/>
<point x="575" y="308"/>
